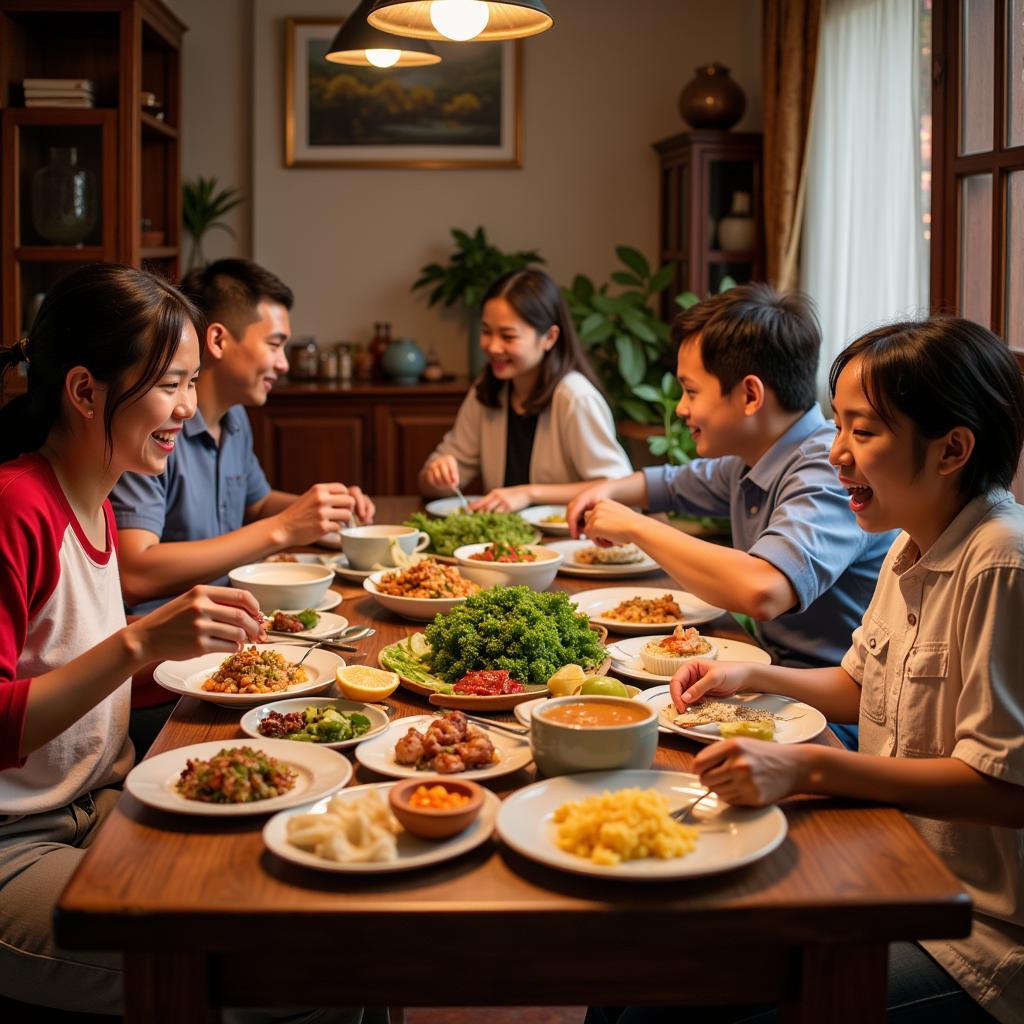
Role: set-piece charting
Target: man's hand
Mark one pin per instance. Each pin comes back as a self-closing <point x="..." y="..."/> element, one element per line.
<point x="578" y="508"/>
<point x="323" y="508"/>
<point x="612" y="523"/>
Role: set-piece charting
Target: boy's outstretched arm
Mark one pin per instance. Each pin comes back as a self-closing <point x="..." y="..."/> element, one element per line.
<point x="717" y="574"/>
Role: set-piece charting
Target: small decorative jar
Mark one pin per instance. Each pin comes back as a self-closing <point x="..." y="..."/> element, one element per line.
<point x="303" y="358"/>
<point x="736" y="232"/>
<point x="712" y="99"/>
<point x="403" y="361"/>
<point x="64" y="199"/>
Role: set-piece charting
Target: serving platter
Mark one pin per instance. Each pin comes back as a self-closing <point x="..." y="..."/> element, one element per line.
<point x="797" y="722"/>
<point x="186" y="678"/>
<point x="570" y="567"/>
<point x="734" y="836"/>
<point x="596" y="603"/>
<point x="626" y="659"/>
<point x="412" y="852"/>
<point x="378" y="754"/>
<point x="379" y="719"/>
<point x="470" y="702"/>
<point x="320" y="771"/>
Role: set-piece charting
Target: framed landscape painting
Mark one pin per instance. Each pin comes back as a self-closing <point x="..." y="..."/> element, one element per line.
<point x="463" y="112"/>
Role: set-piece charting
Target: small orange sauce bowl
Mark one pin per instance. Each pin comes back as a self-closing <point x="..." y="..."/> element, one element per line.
<point x="435" y="823"/>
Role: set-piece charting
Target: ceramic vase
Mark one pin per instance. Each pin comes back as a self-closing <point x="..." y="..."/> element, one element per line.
<point x="403" y="361"/>
<point x="712" y="99"/>
<point x="64" y="199"/>
<point x="736" y="232"/>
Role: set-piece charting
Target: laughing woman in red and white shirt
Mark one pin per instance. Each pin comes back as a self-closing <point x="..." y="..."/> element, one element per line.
<point x="112" y="360"/>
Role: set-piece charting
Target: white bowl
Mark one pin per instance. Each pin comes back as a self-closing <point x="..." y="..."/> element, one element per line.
<point x="419" y="609"/>
<point x="283" y="585"/>
<point x="536" y="575"/>
<point x="667" y="665"/>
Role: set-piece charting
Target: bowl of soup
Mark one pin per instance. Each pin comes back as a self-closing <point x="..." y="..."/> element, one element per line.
<point x="284" y="585"/>
<point x="592" y="734"/>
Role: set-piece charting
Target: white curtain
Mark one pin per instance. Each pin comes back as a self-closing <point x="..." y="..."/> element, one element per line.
<point x="865" y="258"/>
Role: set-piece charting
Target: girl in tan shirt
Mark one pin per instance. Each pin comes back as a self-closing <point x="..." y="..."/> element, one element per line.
<point x="930" y="421"/>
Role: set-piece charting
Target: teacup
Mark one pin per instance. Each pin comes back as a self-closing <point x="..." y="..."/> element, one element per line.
<point x="368" y="546"/>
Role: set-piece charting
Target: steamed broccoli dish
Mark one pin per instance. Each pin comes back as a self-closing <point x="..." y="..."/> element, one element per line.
<point x="530" y="634"/>
<point x="472" y="528"/>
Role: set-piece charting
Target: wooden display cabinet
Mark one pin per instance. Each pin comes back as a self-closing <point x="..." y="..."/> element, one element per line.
<point x="374" y="435"/>
<point x="125" y="47"/>
<point x="701" y="172"/>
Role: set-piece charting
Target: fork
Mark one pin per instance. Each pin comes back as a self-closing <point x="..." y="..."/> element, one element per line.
<point x="680" y="814"/>
<point x="461" y="496"/>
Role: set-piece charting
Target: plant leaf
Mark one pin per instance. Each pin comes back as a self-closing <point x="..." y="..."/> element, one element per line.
<point x="635" y="260"/>
<point x="658" y="444"/>
<point x="661" y="280"/>
<point x="632" y="364"/>
<point x="629" y="280"/>
<point x="647" y="393"/>
<point x="637" y="411"/>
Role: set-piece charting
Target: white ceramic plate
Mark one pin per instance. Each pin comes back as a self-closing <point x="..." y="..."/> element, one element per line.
<point x="418" y="609"/>
<point x="378" y="754"/>
<point x="331" y="600"/>
<point x="412" y="852"/>
<point x="378" y="719"/>
<point x="327" y="625"/>
<point x="536" y="514"/>
<point x="442" y="507"/>
<point x="739" y="835"/>
<point x="626" y="661"/>
<point x="320" y="772"/>
<point x="186" y="678"/>
<point x="596" y="602"/>
<point x="798" y="722"/>
<point x="573" y="568"/>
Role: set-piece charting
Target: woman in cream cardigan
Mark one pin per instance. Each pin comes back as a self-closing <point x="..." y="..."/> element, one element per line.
<point x="536" y="427"/>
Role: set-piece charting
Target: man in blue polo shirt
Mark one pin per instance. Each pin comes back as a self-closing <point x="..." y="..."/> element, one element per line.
<point x="212" y="508"/>
<point x="799" y="565"/>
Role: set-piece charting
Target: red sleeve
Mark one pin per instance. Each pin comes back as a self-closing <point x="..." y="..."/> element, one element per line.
<point x="30" y="526"/>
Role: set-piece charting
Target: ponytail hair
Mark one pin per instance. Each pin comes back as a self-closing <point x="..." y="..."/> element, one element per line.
<point x="112" y="319"/>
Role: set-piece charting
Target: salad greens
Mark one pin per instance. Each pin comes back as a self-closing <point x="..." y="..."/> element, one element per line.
<point x="413" y="664"/>
<point x="530" y="634"/>
<point x="328" y="725"/>
<point x="472" y="528"/>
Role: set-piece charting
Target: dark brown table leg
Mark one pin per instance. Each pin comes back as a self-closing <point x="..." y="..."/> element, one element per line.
<point x="167" y="988"/>
<point x="841" y="984"/>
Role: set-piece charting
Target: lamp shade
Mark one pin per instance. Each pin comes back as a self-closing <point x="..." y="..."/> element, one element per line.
<point x="356" y="39"/>
<point x="506" y="19"/>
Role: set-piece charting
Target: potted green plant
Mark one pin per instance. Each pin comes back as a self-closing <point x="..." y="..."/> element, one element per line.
<point x="203" y="206"/>
<point x="474" y="266"/>
<point x="629" y="345"/>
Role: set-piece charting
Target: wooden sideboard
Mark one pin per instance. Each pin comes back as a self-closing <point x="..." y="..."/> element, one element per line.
<point x="374" y="435"/>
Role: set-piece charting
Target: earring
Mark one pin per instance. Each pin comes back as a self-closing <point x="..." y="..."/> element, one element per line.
<point x="90" y="414"/>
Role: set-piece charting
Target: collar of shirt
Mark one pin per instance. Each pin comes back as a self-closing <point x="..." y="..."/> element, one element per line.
<point x="197" y="425"/>
<point x="945" y="554"/>
<point x="770" y="466"/>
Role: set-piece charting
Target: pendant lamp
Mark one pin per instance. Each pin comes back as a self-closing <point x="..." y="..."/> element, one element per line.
<point x="364" y="46"/>
<point x="461" y="20"/>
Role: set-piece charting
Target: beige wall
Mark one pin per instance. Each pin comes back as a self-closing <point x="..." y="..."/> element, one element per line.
<point x="599" y="88"/>
<point x="217" y="98"/>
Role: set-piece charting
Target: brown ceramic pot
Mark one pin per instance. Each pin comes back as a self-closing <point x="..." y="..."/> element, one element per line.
<point x="712" y="99"/>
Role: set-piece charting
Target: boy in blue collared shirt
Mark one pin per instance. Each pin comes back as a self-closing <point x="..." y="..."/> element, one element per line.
<point x="800" y="565"/>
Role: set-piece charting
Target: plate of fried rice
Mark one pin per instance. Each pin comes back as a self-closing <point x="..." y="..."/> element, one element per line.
<point x="420" y="591"/>
<point x="253" y="676"/>
<point x="237" y="777"/>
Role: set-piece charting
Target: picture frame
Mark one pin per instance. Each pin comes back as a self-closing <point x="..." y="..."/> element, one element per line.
<point x="465" y="112"/>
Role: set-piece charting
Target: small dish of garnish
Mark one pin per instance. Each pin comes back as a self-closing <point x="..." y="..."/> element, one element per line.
<point x="436" y="808"/>
<point x="324" y="721"/>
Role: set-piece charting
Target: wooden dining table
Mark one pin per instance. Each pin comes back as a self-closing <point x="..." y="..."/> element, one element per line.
<point x="206" y="917"/>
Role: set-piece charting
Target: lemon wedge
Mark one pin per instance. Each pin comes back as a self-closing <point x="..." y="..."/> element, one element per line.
<point x="358" y="682"/>
<point x="566" y="680"/>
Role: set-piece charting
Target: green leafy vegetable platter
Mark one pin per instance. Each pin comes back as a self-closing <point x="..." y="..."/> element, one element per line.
<point x="531" y="635"/>
<point x="461" y="528"/>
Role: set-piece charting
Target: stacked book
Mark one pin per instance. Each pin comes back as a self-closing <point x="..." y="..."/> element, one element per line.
<point x="57" y="92"/>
